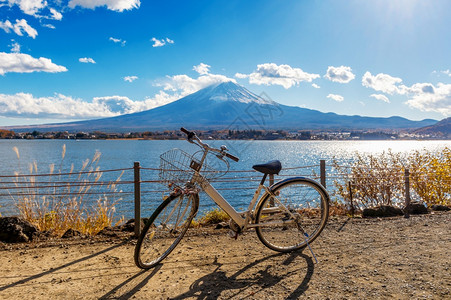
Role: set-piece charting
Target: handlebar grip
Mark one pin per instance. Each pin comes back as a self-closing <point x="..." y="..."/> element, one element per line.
<point x="232" y="157"/>
<point x="190" y="134"/>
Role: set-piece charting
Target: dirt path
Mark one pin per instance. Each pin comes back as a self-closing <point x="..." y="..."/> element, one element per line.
<point x="357" y="259"/>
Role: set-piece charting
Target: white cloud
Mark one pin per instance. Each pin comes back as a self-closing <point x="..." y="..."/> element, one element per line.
<point x="6" y="26"/>
<point x="49" y="26"/>
<point x="184" y="85"/>
<point x="36" y="8"/>
<point x="335" y="97"/>
<point x="380" y="97"/>
<point x="55" y="15"/>
<point x="241" y="75"/>
<point x="24" y="63"/>
<point x="202" y="68"/>
<point x="272" y="74"/>
<point x="340" y="74"/>
<point x="383" y="83"/>
<point x="315" y="86"/>
<point x="446" y="72"/>
<point x="123" y="105"/>
<point x="59" y="107"/>
<point x="162" y="42"/>
<point x="15" y="46"/>
<point x="423" y="96"/>
<point x="116" y="5"/>
<point x="24" y="105"/>
<point x="20" y="27"/>
<point x="86" y="60"/>
<point x="130" y="78"/>
<point x="29" y="7"/>
<point x="427" y="97"/>
<point x="114" y="40"/>
<point x="157" y="43"/>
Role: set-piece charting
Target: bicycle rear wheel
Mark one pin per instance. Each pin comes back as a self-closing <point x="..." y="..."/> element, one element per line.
<point x="294" y="217"/>
<point x="164" y="229"/>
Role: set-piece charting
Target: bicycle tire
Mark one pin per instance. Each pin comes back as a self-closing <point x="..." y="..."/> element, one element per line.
<point x="308" y="203"/>
<point x="165" y="229"/>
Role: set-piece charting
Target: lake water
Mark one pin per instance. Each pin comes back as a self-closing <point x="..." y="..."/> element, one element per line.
<point x="121" y="154"/>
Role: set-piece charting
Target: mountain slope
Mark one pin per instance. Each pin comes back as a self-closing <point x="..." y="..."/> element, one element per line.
<point x="440" y="129"/>
<point x="231" y="106"/>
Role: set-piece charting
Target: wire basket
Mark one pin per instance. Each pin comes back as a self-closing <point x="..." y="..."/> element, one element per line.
<point x="175" y="166"/>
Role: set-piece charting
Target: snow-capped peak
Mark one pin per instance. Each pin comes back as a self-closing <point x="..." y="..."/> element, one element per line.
<point x="230" y="91"/>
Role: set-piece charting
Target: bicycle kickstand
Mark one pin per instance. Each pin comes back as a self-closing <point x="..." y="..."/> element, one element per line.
<point x="310" y="248"/>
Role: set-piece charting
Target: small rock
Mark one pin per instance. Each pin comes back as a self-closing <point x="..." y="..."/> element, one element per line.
<point x="416" y="208"/>
<point x="382" y="211"/>
<point x="16" y="230"/>
<point x="109" y="231"/>
<point x="71" y="233"/>
<point x="222" y="225"/>
<point x="129" y="226"/>
<point x="438" y="207"/>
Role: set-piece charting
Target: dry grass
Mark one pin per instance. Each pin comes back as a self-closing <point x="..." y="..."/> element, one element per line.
<point x="214" y="216"/>
<point x="61" y="201"/>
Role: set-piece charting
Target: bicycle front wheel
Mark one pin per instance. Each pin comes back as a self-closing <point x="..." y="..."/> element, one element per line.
<point x="293" y="216"/>
<point x="164" y="229"/>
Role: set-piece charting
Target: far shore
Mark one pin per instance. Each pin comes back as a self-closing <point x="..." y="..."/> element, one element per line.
<point x="251" y="134"/>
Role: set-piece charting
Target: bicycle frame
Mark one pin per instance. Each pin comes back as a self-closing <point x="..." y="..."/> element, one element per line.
<point x="243" y="221"/>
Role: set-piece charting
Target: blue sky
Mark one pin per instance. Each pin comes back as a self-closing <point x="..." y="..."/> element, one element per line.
<point x="81" y="59"/>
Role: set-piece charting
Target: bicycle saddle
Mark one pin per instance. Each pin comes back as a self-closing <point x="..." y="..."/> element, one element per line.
<point x="271" y="167"/>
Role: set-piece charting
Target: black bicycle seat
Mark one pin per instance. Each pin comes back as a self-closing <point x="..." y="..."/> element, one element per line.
<point x="271" y="167"/>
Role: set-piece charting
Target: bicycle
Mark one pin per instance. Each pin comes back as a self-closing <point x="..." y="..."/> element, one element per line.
<point x="288" y="216"/>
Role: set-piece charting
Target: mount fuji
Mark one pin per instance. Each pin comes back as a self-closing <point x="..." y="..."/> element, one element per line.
<point x="228" y="105"/>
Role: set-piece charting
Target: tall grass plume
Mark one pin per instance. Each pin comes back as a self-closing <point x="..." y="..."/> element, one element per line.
<point x="59" y="201"/>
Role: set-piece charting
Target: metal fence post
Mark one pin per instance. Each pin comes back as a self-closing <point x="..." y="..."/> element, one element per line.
<point x="137" y="181"/>
<point x="322" y="170"/>
<point x="407" y="188"/>
<point x="350" y="198"/>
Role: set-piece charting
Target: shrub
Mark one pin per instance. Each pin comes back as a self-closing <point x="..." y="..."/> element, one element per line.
<point x="214" y="216"/>
<point x="376" y="180"/>
<point x="430" y="176"/>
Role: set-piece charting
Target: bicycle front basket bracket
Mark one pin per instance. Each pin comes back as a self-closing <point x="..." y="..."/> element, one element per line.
<point x="195" y="165"/>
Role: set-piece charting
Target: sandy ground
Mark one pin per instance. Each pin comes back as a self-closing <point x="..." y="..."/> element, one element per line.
<point x="357" y="259"/>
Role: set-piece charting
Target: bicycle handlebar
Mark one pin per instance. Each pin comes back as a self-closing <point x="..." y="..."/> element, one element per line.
<point x="192" y="134"/>
<point x="232" y="157"/>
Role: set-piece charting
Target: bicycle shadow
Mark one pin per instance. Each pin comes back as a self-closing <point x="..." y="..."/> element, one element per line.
<point x="130" y="281"/>
<point x="59" y="268"/>
<point x="212" y="285"/>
